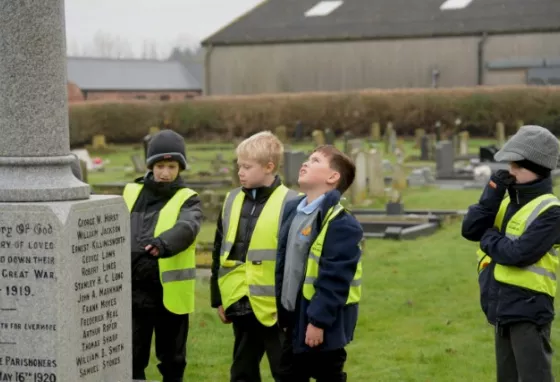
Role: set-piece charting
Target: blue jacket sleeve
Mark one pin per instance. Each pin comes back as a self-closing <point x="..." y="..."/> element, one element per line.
<point x="337" y="267"/>
<point x="480" y="217"/>
<point x="535" y="242"/>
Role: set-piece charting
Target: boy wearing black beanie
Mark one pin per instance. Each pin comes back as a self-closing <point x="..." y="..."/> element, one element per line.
<point x="517" y="223"/>
<point x="164" y="223"/>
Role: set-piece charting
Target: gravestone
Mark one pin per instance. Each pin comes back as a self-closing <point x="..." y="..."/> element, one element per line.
<point x="375" y="132"/>
<point x="292" y="164"/>
<point x="500" y="134"/>
<point x="298" y="131"/>
<point x="329" y="136"/>
<point x="463" y="143"/>
<point x="390" y="139"/>
<point x="425" y="148"/>
<point x="419" y="134"/>
<point x="138" y="163"/>
<point x="399" y="177"/>
<point x="282" y="134"/>
<point x="376" y="183"/>
<point x="359" y="187"/>
<point x="346" y="139"/>
<point x="420" y="177"/>
<point x="83" y="155"/>
<point x="439" y="131"/>
<point x="486" y="153"/>
<point x="99" y="142"/>
<point x="445" y="160"/>
<point x="318" y="137"/>
<point x="356" y="144"/>
<point x="65" y="256"/>
<point x="235" y="182"/>
<point x="395" y="205"/>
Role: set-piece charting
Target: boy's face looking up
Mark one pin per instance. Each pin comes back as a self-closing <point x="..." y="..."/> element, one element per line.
<point x="253" y="174"/>
<point x="316" y="174"/>
<point x="166" y="171"/>
<point x="522" y="175"/>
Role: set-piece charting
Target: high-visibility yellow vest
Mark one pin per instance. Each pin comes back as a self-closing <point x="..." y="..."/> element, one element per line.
<point x="177" y="273"/>
<point x="314" y="260"/>
<point x="539" y="277"/>
<point x="254" y="277"/>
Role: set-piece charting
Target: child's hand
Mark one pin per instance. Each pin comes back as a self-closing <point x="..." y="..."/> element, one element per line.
<point x="222" y="315"/>
<point x="313" y="336"/>
<point x="152" y="250"/>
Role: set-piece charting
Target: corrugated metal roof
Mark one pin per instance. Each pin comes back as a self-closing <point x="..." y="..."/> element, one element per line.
<point x="131" y="75"/>
<point x="285" y="21"/>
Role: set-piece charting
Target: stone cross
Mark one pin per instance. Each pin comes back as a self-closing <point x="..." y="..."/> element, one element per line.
<point x="65" y="255"/>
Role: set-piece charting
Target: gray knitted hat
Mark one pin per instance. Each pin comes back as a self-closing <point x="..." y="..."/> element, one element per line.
<point x="532" y="143"/>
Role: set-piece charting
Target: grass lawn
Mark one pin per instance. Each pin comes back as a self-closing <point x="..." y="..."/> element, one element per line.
<point x="420" y="318"/>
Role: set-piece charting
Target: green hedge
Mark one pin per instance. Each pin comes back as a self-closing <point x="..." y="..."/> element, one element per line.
<point x="223" y="118"/>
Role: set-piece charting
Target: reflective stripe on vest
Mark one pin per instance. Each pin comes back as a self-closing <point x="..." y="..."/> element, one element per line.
<point x="255" y="277"/>
<point x="541" y="276"/>
<point x="177" y="273"/>
<point x="314" y="260"/>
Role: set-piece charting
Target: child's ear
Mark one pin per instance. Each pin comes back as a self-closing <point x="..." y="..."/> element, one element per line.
<point x="333" y="178"/>
<point x="270" y="168"/>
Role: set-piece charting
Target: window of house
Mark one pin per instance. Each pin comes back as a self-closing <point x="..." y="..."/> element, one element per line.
<point x="455" y="4"/>
<point x="323" y="8"/>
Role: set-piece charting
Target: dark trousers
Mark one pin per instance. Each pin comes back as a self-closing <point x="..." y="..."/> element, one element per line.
<point x="323" y="366"/>
<point x="252" y="340"/>
<point x="171" y="339"/>
<point x="523" y="353"/>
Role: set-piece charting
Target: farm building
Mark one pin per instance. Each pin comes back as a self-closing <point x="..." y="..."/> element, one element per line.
<point x="125" y="79"/>
<point x="313" y="45"/>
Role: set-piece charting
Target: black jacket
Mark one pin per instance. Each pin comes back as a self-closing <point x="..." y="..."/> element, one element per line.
<point x="147" y="291"/>
<point x="250" y="212"/>
<point x="504" y="303"/>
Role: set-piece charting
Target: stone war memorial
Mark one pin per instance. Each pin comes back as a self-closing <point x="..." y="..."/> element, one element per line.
<point x="64" y="255"/>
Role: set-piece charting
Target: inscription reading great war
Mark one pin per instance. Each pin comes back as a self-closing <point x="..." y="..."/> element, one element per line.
<point x="97" y="293"/>
<point x="28" y="260"/>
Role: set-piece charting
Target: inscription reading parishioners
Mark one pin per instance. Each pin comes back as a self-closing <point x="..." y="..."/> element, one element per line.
<point x="27" y="272"/>
<point x="98" y="292"/>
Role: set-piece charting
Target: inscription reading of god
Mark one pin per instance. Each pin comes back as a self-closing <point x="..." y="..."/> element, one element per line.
<point x="98" y="292"/>
<point x="27" y="270"/>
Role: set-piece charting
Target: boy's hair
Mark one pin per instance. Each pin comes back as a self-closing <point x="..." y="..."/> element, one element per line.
<point x="341" y="163"/>
<point x="262" y="147"/>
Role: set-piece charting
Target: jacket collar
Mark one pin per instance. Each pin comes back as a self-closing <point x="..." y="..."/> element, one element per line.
<point x="522" y="194"/>
<point x="262" y="192"/>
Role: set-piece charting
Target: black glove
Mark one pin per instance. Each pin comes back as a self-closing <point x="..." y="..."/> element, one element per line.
<point x="502" y="179"/>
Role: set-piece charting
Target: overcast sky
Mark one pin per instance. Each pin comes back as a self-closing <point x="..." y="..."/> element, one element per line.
<point x="166" y="22"/>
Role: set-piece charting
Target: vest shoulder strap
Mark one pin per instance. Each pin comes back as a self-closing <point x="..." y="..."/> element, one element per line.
<point x="130" y="194"/>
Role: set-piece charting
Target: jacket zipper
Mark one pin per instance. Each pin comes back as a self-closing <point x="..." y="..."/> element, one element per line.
<point x="247" y="234"/>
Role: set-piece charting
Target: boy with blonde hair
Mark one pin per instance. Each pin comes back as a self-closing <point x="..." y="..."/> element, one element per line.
<point x="244" y="257"/>
<point x="318" y="271"/>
